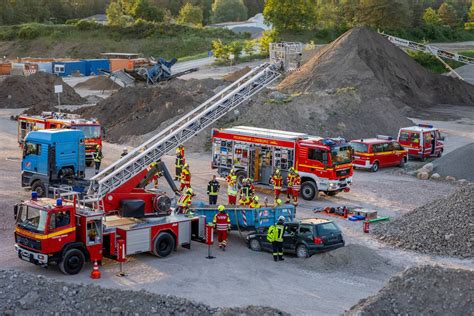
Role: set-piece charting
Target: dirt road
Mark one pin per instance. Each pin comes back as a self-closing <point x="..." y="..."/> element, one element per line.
<point x="240" y="276"/>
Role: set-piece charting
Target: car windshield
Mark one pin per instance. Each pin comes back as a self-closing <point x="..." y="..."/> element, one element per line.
<point x="328" y="228"/>
<point x="90" y="131"/>
<point x="341" y="155"/>
<point x="32" y="218"/>
<point x="359" y="147"/>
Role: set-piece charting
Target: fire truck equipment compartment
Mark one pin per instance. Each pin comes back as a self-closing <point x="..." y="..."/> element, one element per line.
<point x="132" y="208"/>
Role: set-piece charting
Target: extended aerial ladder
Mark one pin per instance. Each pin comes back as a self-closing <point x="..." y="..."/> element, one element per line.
<point x="117" y="174"/>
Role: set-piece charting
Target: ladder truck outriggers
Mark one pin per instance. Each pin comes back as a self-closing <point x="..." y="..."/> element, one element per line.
<point x="116" y="210"/>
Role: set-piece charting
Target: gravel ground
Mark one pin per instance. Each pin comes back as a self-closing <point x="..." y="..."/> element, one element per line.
<point x="456" y="165"/>
<point x="424" y="290"/>
<point x="24" y="294"/>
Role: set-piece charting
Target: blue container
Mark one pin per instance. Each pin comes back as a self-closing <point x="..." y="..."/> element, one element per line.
<point x="93" y="66"/>
<point x="68" y="68"/>
<point x="248" y="218"/>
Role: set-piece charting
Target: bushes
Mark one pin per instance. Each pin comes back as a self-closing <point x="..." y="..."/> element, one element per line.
<point x="87" y="25"/>
<point x="29" y="31"/>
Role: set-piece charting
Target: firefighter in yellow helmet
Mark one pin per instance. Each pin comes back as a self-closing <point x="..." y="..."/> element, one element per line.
<point x="221" y="222"/>
<point x="184" y="201"/>
<point x="255" y="202"/>
<point x="185" y="179"/>
<point x="98" y="156"/>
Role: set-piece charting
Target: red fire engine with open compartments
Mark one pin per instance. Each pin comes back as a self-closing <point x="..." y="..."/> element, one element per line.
<point x="324" y="164"/>
<point x="52" y="120"/>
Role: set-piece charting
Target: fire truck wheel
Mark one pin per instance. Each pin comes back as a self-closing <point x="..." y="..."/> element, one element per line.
<point x="88" y="163"/>
<point x="39" y="187"/>
<point x="164" y="245"/>
<point x="72" y="262"/>
<point x="309" y="190"/>
<point x="375" y="167"/>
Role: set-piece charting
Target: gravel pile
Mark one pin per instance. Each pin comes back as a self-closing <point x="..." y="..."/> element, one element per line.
<point x="441" y="227"/>
<point x="36" y="89"/>
<point x="27" y="294"/>
<point x="424" y="290"/>
<point x="457" y="163"/>
<point x="98" y="83"/>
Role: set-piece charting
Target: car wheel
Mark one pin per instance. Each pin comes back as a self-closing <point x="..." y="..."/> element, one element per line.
<point x="72" y="262"/>
<point x="39" y="188"/>
<point x="302" y="251"/>
<point x="163" y="245"/>
<point x="375" y="167"/>
<point x="255" y="245"/>
<point x="309" y="191"/>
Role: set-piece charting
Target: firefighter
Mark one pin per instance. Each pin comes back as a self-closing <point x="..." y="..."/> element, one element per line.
<point x="278" y="202"/>
<point x="213" y="188"/>
<point x="179" y="162"/>
<point x="245" y="193"/>
<point x="156" y="175"/>
<point x="232" y="192"/>
<point x="232" y="177"/>
<point x="180" y="150"/>
<point x="289" y="185"/>
<point x="295" y="189"/>
<point x="185" y="178"/>
<point x="221" y="222"/>
<point x="275" y="236"/>
<point x="98" y="156"/>
<point x="185" y="201"/>
<point x="124" y="152"/>
<point x="277" y="182"/>
<point x="255" y="203"/>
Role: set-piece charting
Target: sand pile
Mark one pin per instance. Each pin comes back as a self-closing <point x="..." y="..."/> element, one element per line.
<point x="140" y="110"/>
<point x="441" y="227"/>
<point x="98" y="83"/>
<point x="457" y="163"/>
<point x="425" y="290"/>
<point x="23" y="92"/>
<point x="24" y="294"/>
<point x="233" y="76"/>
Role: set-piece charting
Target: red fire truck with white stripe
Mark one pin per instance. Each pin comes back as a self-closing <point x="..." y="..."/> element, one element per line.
<point x="53" y="120"/>
<point x="422" y="141"/>
<point x="324" y="164"/>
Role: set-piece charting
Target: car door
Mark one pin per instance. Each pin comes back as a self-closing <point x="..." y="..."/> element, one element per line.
<point x="264" y="243"/>
<point x="290" y="237"/>
<point x="399" y="153"/>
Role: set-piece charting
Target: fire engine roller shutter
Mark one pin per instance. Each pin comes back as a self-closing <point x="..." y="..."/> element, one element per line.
<point x="184" y="232"/>
<point x="138" y="241"/>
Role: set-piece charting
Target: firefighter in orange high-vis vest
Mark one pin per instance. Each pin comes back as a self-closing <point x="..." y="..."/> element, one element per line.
<point x="184" y="201"/>
<point x="277" y="182"/>
<point x="185" y="179"/>
<point x="289" y="184"/>
<point x="221" y="222"/>
<point x="295" y="190"/>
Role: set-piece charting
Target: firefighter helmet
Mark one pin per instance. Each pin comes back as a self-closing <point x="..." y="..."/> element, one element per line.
<point x="125" y="149"/>
<point x="277" y="171"/>
<point x="153" y="164"/>
<point x="97" y="147"/>
<point x="256" y="198"/>
<point x="281" y="219"/>
<point x="186" y="166"/>
<point x="221" y="208"/>
<point x="189" y="191"/>
<point x="279" y="201"/>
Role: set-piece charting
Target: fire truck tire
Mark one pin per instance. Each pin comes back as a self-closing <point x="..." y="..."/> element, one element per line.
<point x="309" y="191"/>
<point x="375" y="167"/>
<point x="39" y="187"/>
<point x="89" y="163"/>
<point x="163" y="245"/>
<point x="72" y="262"/>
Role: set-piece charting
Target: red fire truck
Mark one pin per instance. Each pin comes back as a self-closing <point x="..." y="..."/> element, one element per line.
<point x="422" y="141"/>
<point x="51" y="120"/>
<point x="324" y="164"/>
<point x="375" y="153"/>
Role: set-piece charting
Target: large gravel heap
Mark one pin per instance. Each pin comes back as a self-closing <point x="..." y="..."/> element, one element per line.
<point x="442" y="227"/>
<point x="36" y="89"/>
<point x="458" y="163"/>
<point x="27" y="294"/>
<point x="424" y="290"/>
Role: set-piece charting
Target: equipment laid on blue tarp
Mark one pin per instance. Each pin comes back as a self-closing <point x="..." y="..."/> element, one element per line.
<point x="243" y="218"/>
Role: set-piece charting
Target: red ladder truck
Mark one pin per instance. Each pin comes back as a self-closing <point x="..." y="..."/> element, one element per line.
<point x="324" y="164"/>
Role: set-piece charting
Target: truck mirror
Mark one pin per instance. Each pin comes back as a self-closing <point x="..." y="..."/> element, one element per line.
<point x="15" y="211"/>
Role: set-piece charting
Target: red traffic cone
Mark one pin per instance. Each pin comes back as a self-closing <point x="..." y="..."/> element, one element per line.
<point x="95" y="274"/>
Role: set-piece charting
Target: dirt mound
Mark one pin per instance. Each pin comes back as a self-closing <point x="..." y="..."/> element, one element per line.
<point x="233" y="76"/>
<point x="457" y="163"/>
<point x="98" y="83"/>
<point x="425" y="290"/>
<point x="24" y="294"/>
<point x="140" y="110"/>
<point x="23" y="92"/>
<point x="441" y="227"/>
<point x="352" y="257"/>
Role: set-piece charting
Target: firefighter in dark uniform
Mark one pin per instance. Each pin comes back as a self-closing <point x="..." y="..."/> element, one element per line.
<point x="275" y="236"/>
<point x="98" y="156"/>
<point x="213" y="190"/>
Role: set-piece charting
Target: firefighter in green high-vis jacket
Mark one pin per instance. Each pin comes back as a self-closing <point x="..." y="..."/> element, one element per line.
<point x="275" y="236"/>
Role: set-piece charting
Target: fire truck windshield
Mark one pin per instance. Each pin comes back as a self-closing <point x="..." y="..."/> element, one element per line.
<point x="90" y="131"/>
<point x="31" y="218"/>
<point x="341" y="155"/>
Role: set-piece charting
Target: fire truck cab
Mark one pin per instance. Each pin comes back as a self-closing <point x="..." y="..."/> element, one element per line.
<point x="323" y="164"/>
<point x="70" y="234"/>
<point x="422" y="141"/>
<point x="374" y="153"/>
<point x="52" y="120"/>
